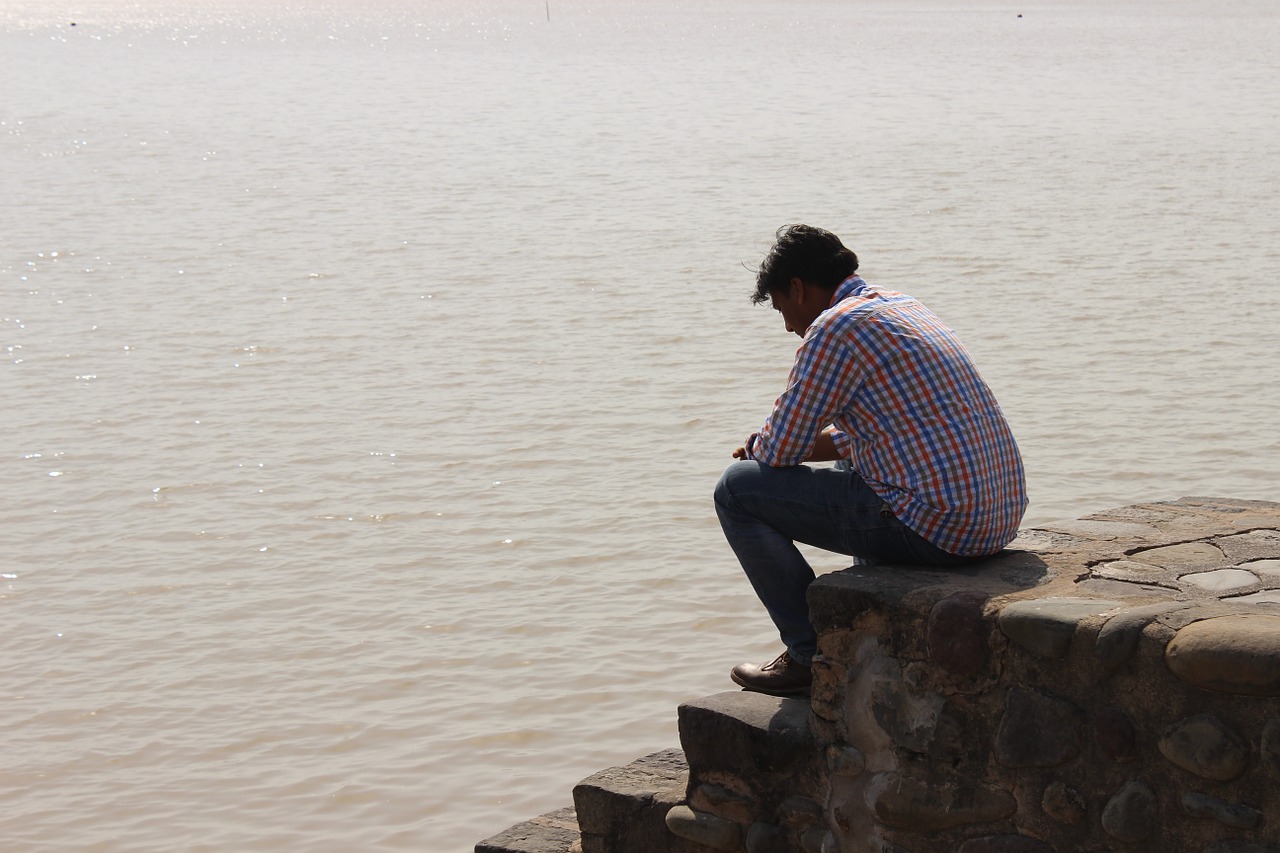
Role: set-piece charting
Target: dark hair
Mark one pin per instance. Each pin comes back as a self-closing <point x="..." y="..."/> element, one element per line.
<point x="810" y="254"/>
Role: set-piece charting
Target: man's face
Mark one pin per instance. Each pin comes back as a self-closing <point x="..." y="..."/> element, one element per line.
<point x="799" y="306"/>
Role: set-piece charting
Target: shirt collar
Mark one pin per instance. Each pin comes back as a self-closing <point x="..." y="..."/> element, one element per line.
<point x="851" y="286"/>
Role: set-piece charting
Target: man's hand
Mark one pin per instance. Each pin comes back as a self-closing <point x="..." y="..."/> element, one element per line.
<point x="744" y="452"/>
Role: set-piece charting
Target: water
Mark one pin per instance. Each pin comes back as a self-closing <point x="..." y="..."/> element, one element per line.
<point x="368" y="368"/>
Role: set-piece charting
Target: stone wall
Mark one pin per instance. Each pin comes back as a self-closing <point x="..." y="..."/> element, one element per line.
<point x="1107" y="684"/>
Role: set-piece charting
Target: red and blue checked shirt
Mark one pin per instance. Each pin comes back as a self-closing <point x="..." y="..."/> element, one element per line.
<point x="910" y="412"/>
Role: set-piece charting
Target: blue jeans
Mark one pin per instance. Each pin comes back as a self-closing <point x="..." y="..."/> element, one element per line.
<point x="764" y="511"/>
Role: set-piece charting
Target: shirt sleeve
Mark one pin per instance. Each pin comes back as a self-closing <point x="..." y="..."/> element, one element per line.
<point x="823" y="377"/>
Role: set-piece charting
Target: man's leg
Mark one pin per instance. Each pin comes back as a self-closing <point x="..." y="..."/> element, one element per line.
<point x="764" y="511"/>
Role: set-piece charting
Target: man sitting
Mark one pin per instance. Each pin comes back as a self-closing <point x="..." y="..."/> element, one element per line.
<point x="927" y="470"/>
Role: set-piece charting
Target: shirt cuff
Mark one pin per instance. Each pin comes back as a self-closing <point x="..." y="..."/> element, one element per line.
<point x="844" y="444"/>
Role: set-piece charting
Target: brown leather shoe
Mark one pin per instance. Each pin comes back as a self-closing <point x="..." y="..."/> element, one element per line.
<point x="780" y="677"/>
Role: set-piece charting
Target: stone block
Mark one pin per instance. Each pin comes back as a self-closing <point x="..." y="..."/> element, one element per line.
<point x="624" y="808"/>
<point x="1046" y="626"/>
<point x="744" y="732"/>
<point x="555" y="832"/>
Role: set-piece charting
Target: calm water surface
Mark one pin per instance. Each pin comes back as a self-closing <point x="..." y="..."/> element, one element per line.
<point x="367" y="368"/>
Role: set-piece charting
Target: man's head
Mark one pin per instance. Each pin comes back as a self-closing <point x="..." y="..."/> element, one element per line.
<point x="801" y="272"/>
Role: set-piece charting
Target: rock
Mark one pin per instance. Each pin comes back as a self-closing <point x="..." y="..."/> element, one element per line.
<point x="705" y="829"/>
<point x="1063" y="803"/>
<point x="1270" y="751"/>
<point x="1236" y="815"/>
<point x="1037" y="730"/>
<point x="1045" y="626"/>
<point x="1229" y="654"/>
<point x="1203" y="745"/>
<point x="924" y="806"/>
<point x="1130" y="815"/>
<point x="1005" y="844"/>
<point x="957" y="633"/>
<point x="1118" y="637"/>
<point x="1115" y="735"/>
<point x="1222" y="580"/>
<point x="845" y="761"/>
<point x="766" y="838"/>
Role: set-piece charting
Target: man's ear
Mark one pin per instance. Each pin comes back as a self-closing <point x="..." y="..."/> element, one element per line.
<point x="797" y="289"/>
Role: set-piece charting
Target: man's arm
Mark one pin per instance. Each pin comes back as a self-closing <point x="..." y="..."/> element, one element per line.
<point x="824" y="449"/>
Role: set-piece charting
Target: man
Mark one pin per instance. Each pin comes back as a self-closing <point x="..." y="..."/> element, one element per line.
<point x="927" y="469"/>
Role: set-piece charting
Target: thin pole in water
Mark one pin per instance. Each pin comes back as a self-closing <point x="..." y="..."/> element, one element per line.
<point x="548" y="2"/>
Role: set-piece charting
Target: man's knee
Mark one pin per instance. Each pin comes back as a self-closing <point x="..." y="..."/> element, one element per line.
<point x="734" y="478"/>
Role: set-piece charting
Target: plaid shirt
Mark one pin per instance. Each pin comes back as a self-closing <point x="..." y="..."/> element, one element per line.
<point x="910" y="412"/>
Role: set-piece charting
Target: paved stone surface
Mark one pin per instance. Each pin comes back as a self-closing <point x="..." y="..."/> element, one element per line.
<point x="1205" y="746"/>
<point x="1235" y="815"/>
<point x="1038" y="730"/>
<point x="1130" y="815"/>
<point x="1045" y="626"/>
<point x="1229" y="654"/>
<point x="707" y="830"/>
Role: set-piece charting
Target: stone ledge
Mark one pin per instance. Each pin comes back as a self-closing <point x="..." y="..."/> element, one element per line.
<point x="625" y="808"/>
<point x="555" y="832"/>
